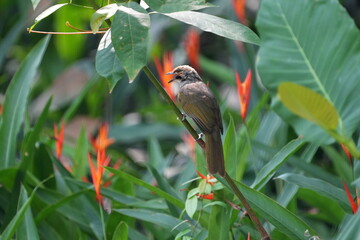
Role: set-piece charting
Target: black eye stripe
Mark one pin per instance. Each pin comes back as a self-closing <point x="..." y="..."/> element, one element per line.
<point x="178" y="77"/>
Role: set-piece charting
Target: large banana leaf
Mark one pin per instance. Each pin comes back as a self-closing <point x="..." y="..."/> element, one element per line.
<point x="317" y="45"/>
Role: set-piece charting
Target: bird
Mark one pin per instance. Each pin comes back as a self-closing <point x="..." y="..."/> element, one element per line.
<point x="199" y="103"/>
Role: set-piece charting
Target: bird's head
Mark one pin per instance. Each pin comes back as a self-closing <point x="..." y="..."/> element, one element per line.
<point x="184" y="73"/>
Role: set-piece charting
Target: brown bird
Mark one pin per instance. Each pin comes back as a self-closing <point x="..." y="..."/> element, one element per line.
<point x="199" y="103"/>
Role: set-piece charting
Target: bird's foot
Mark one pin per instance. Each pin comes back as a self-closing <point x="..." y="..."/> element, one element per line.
<point x="183" y="117"/>
<point x="199" y="137"/>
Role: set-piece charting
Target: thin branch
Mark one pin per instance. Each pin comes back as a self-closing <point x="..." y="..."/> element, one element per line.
<point x="64" y="33"/>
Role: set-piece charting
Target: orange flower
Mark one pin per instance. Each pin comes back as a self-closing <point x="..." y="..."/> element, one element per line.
<point x="244" y="91"/>
<point x="206" y="196"/>
<point x="59" y="138"/>
<point x="209" y="178"/>
<point x="239" y="8"/>
<point x="102" y="141"/>
<point x="353" y="205"/>
<point x="1" y="109"/>
<point x="162" y="69"/>
<point x="248" y="237"/>
<point x="97" y="172"/>
<point x="192" y="47"/>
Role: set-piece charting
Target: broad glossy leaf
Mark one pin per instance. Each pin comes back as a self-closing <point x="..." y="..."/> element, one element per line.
<point x="129" y="35"/>
<point x="268" y="171"/>
<point x="284" y="220"/>
<point x="216" y="25"/>
<point x="317" y="45"/>
<point x="47" y="12"/>
<point x="308" y="104"/>
<point x="319" y="186"/>
<point x="15" y="103"/>
<point x="168" y="6"/>
<point x="107" y="63"/>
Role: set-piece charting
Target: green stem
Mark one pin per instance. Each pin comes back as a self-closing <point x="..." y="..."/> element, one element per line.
<point x="178" y="113"/>
<point x="102" y="220"/>
<point x="233" y="186"/>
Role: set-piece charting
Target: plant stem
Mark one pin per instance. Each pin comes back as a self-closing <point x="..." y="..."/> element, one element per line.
<point x="102" y="220"/>
<point x="237" y="192"/>
<point x="178" y="113"/>
<point x="253" y="217"/>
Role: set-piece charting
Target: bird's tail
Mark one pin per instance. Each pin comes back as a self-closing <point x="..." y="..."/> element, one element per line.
<point x="214" y="153"/>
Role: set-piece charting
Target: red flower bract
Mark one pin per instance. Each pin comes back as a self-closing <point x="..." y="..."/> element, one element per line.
<point x="244" y="91"/>
<point x="162" y="68"/>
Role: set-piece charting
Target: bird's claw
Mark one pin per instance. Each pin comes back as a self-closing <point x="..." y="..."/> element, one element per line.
<point x="183" y="117"/>
<point x="199" y="137"/>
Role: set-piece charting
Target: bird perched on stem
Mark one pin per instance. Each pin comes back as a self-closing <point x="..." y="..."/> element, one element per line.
<point x="199" y="103"/>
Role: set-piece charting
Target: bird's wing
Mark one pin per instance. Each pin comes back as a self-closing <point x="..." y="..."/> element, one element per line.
<point x="202" y="108"/>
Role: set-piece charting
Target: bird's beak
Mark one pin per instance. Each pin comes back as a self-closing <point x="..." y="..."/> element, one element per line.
<point x="169" y="73"/>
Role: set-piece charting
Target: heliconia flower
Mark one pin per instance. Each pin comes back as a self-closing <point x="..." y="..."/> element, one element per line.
<point x="59" y="138"/>
<point x="166" y="66"/>
<point x="97" y="172"/>
<point x="191" y="143"/>
<point x="209" y="178"/>
<point x="1" y="109"/>
<point x="353" y="205"/>
<point x="192" y="47"/>
<point x="244" y="91"/>
<point x="206" y="196"/>
<point x="239" y="8"/>
<point x="102" y="141"/>
<point x="248" y="238"/>
<point x="347" y="152"/>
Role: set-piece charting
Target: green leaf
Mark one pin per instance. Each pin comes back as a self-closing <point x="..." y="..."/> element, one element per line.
<point x="10" y="229"/>
<point x="304" y="43"/>
<point x="47" y="12"/>
<point x="137" y="132"/>
<point x="319" y="186"/>
<point x="160" y="219"/>
<point x="121" y="232"/>
<point x="213" y="24"/>
<point x="80" y="154"/>
<point x="156" y="190"/>
<point x="107" y="63"/>
<point x="284" y="220"/>
<point x="168" y="6"/>
<point x="129" y="35"/>
<point x="350" y="228"/>
<point x="230" y="151"/>
<point x="308" y="104"/>
<point x="101" y="15"/>
<point x="15" y="103"/>
<point x="191" y="202"/>
<point x="27" y="229"/>
<point x="268" y="171"/>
